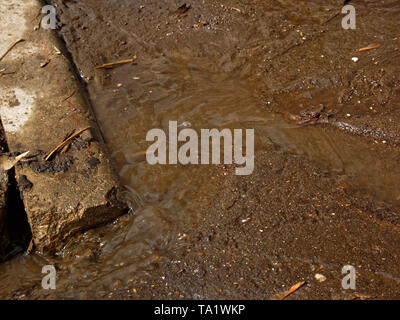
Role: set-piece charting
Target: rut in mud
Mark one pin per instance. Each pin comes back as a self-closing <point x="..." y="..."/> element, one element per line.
<point x="321" y="196"/>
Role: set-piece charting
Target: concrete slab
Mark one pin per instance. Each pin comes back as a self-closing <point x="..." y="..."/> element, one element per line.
<point x="41" y="102"/>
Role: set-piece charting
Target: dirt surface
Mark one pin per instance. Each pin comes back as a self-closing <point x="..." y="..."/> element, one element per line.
<point x="284" y="224"/>
<point x="206" y="233"/>
<point x="301" y="60"/>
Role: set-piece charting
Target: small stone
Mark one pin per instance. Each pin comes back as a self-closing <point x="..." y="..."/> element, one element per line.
<point x="354" y="59"/>
<point x="319" y="277"/>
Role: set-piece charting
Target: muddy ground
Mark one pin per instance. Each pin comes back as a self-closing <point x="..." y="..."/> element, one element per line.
<point x="294" y="217"/>
<point x="301" y="59"/>
<point x="283" y="224"/>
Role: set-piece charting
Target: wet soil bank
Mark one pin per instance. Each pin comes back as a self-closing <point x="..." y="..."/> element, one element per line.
<point x="319" y="198"/>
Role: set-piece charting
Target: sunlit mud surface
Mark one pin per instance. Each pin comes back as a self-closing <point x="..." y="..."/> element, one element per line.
<point x="201" y="91"/>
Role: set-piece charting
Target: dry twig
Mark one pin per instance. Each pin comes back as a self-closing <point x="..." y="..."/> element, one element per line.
<point x="10" y="48"/>
<point x="283" y="295"/>
<point x="117" y="63"/>
<point x="370" y="47"/>
<point x="65" y="142"/>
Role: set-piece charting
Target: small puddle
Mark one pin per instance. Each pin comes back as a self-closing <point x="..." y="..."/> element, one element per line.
<point x="198" y="93"/>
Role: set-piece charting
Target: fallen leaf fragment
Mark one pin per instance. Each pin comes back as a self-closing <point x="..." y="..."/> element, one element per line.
<point x="45" y="63"/>
<point x="359" y="296"/>
<point x="6" y="163"/>
<point x="370" y="47"/>
<point x="285" y="294"/>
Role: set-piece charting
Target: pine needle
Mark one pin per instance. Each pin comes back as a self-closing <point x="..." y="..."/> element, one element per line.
<point x="65" y="142"/>
<point x="10" y="48"/>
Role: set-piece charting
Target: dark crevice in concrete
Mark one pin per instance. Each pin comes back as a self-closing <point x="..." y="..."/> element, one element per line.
<point x="16" y="233"/>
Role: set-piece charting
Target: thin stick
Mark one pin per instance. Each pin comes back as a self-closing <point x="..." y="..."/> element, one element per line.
<point x="64" y="143"/>
<point x="117" y="63"/>
<point x="331" y="18"/>
<point x="70" y="96"/>
<point x="336" y="14"/>
<point x="10" y="48"/>
<point x="370" y="47"/>
<point x="293" y="289"/>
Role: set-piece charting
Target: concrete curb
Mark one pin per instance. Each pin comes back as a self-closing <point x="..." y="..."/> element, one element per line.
<point x="41" y="102"/>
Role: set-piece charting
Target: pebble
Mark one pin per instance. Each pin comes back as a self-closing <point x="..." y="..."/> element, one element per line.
<point x="319" y="277"/>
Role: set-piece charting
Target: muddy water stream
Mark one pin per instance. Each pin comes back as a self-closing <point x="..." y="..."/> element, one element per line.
<point x="198" y="93"/>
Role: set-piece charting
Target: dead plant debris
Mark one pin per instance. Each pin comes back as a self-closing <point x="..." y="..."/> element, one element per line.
<point x="70" y="95"/>
<point x="370" y="47"/>
<point x="10" y="48"/>
<point x="285" y="294"/>
<point x="116" y="63"/>
<point x="64" y="143"/>
<point x="7" y="163"/>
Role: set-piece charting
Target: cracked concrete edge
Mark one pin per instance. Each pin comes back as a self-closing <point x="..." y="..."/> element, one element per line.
<point x="42" y="101"/>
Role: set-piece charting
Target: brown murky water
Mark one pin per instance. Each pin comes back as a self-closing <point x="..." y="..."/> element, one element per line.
<point x="199" y="92"/>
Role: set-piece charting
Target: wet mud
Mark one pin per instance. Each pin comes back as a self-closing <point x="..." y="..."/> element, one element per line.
<point x="325" y="191"/>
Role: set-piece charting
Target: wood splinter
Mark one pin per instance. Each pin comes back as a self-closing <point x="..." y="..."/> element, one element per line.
<point x="64" y="143"/>
<point x="10" y="48"/>
<point x="117" y="63"/>
<point x="370" y="47"/>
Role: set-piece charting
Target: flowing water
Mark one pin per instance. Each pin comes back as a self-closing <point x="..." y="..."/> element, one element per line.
<point x="197" y="93"/>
